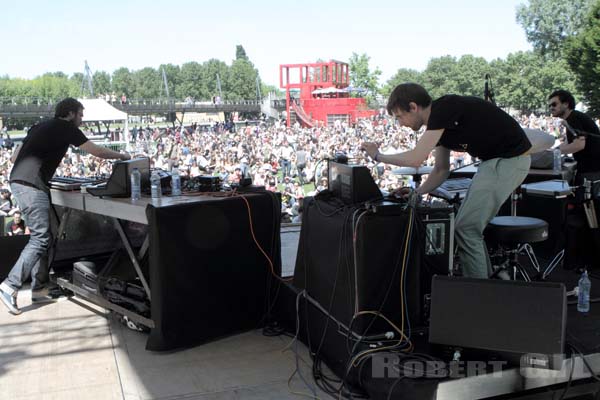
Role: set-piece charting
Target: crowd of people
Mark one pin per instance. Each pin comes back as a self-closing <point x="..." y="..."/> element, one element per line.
<point x="443" y="133"/>
<point x="290" y="160"/>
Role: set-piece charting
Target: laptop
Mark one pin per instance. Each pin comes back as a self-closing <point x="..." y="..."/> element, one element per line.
<point x="119" y="182"/>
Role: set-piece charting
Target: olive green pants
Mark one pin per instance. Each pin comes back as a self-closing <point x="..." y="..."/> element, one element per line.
<point x="491" y="186"/>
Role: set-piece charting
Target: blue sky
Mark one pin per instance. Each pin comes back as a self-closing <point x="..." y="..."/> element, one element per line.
<point x="42" y="36"/>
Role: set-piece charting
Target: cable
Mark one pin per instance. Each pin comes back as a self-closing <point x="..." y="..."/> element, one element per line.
<point x="585" y="361"/>
<point x="568" y="386"/>
<point x="294" y="341"/>
<point x="251" y="225"/>
<point x="360" y="357"/>
<point x="322" y="381"/>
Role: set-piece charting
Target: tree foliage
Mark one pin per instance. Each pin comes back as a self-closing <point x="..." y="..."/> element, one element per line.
<point x="240" y="53"/>
<point x="122" y="82"/>
<point x="548" y="23"/>
<point x="361" y="75"/>
<point x="241" y="83"/>
<point x="101" y="82"/>
<point x="583" y="56"/>
<point x="522" y="81"/>
<point x="172" y="73"/>
<point x="401" y="76"/>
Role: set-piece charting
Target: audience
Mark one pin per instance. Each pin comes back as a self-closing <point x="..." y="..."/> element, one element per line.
<point x="281" y="158"/>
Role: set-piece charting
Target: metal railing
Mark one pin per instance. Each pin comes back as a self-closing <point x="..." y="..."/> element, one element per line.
<point x="45" y="101"/>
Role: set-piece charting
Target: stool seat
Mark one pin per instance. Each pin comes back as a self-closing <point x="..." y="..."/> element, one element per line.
<point x="510" y="230"/>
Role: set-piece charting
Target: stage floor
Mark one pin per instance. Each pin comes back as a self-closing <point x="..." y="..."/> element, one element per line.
<point x="74" y="350"/>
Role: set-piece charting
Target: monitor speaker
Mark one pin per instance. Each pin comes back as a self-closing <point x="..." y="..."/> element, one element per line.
<point x="523" y="320"/>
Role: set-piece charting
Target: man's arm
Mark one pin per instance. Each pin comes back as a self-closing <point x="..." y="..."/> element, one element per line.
<point x="103" y="152"/>
<point x="440" y="171"/>
<point x="411" y="158"/>
<point x="576" y="145"/>
<point x="15" y="153"/>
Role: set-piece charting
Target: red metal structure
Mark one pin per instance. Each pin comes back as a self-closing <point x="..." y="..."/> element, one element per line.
<point x="323" y="93"/>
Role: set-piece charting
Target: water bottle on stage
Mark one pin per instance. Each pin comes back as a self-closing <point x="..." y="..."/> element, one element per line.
<point x="136" y="184"/>
<point x="557" y="162"/>
<point x="155" y="188"/>
<point x="583" y="302"/>
<point x="175" y="182"/>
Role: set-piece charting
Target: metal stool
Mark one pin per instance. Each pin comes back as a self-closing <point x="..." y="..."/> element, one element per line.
<point x="514" y="235"/>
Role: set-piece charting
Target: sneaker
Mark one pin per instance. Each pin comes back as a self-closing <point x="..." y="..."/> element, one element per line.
<point x="504" y="275"/>
<point x="9" y="300"/>
<point x="46" y="296"/>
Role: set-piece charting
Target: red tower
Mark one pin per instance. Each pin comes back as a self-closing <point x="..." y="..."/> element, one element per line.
<point x="324" y="96"/>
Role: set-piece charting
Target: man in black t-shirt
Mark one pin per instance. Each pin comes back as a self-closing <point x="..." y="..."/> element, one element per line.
<point x="583" y="135"/>
<point x="583" y="141"/>
<point x="466" y="124"/>
<point x="35" y="162"/>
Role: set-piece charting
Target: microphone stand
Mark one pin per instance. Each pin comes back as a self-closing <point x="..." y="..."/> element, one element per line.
<point x="488" y="91"/>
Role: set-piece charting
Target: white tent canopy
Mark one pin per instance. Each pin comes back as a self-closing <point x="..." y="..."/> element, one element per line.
<point x="98" y="110"/>
<point x="329" y="90"/>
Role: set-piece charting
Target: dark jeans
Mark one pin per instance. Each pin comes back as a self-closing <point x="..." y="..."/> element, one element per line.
<point x="286" y="167"/>
<point x="33" y="261"/>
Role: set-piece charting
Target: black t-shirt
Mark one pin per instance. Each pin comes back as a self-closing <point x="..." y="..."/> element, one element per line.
<point x="477" y="127"/>
<point x="588" y="159"/>
<point x="43" y="148"/>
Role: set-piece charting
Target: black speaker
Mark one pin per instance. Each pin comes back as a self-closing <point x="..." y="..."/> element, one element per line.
<point x="523" y="321"/>
<point x="346" y="270"/>
<point x="551" y="209"/>
<point x="11" y="250"/>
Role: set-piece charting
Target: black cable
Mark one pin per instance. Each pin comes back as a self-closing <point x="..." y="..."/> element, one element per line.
<point x="585" y="361"/>
<point x="389" y="396"/>
<point x="568" y="386"/>
<point x="317" y="373"/>
<point x="381" y="305"/>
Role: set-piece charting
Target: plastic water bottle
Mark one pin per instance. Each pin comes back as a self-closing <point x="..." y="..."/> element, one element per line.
<point x="136" y="184"/>
<point x="583" y="301"/>
<point x="557" y="163"/>
<point x="155" y="188"/>
<point x="175" y="182"/>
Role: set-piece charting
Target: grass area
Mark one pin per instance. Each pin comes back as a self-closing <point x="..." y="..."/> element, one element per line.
<point x="17" y="134"/>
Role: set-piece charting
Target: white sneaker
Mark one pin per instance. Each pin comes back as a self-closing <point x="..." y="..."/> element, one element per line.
<point x="9" y="298"/>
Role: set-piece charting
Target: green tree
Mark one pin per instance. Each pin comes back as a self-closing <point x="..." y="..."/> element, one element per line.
<point x="361" y="76"/>
<point x="101" y="82"/>
<point x="210" y="70"/>
<point x="122" y="82"/>
<point x="240" y="53"/>
<point x="438" y="77"/>
<point x="266" y="89"/>
<point x="146" y="82"/>
<point x="191" y="81"/>
<point x="76" y="80"/>
<point x="470" y="75"/>
<point x="241" y="82"/>
<point x="547" y="23"/>
<point x="403" y="75"/>
<point x="525" y="79"/>
<point x="172" y="73"/>
<point x="583" y="55"/>
<point x="51" y="87"/>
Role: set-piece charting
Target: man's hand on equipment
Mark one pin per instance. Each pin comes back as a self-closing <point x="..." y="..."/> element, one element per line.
<point x="402" y="193"/>
<point x="371" y="148"/>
